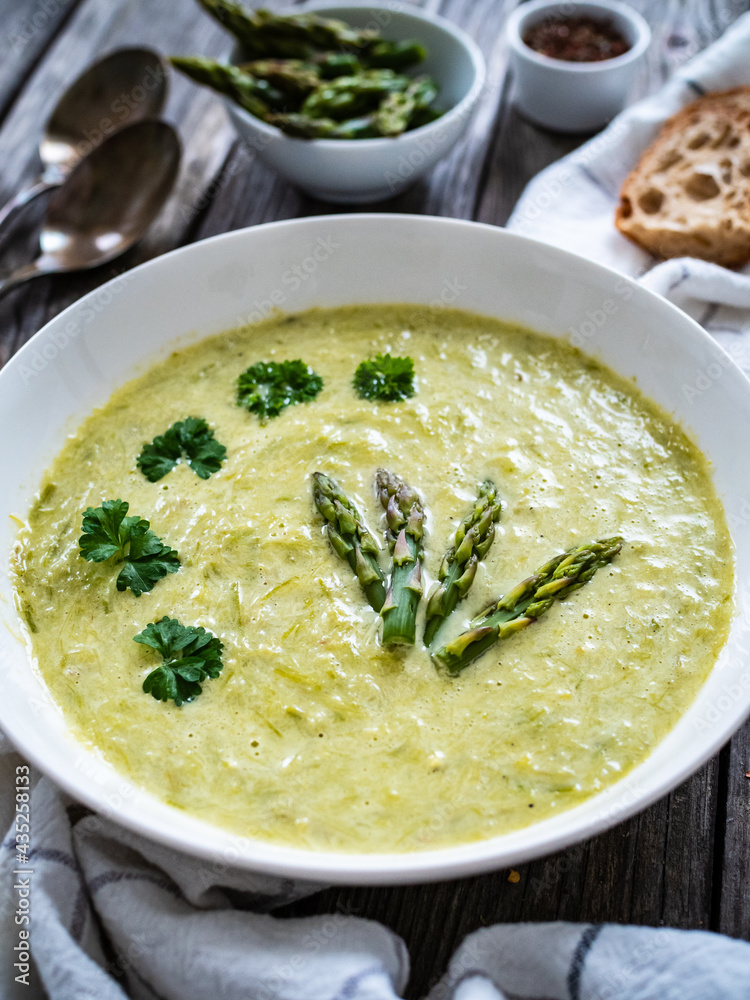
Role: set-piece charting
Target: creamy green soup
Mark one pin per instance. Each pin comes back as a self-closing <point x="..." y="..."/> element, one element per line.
<point x="314" y="735"/>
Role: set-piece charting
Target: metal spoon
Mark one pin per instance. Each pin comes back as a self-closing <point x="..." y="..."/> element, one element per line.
<point x="107" y="202"/>
<point x="127" y="86"/>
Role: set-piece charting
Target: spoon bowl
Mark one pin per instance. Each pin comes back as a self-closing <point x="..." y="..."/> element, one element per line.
<point x="125" y="87"/>
<point x="111" y="197"/>
<point x="107" y="203"/>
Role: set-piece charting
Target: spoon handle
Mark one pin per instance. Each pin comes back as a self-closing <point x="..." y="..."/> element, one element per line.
<point x="21" y="274"/>
<point x="39" y="186"/>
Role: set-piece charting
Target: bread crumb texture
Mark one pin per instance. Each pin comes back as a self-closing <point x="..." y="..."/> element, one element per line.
<point x="689" y="195"/>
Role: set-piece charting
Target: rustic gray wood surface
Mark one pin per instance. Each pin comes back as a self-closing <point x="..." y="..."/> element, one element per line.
<point x="685" y="862"/>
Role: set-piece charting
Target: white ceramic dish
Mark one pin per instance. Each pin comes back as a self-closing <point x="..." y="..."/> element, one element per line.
<point x="76" y="361"/>
<point x="367" y="170"/>
<point x="574" y="96"/>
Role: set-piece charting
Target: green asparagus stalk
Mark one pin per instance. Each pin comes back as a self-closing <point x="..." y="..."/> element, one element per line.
<point x="290" y="76"/>
<point x="302" y="127"/>
<point x="527" y="602"/>
<point x="471" y="543"/>
<point x="333" y="64"/>
<point x="349" y="96"/>
<point x="233" y="17"/>
<point x="397" y="110"/>
<point x="349" y="537"/>
<point x="404" y="515"/>
<point x="255" y="96"/>
<point x="356" y="128"/>
<point x="423" y="116"/>
<point x="264" y="33"/>
<point x="312" y="29"/>
<point x="395" y="55"/>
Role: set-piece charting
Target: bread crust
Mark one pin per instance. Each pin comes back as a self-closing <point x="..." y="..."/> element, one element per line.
<point x="689" y="195"/>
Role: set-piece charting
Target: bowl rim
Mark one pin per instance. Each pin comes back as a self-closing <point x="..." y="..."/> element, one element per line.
<point x="455" y="861"/>
<point x="517" y="21"/>
<point x="460" y="110"/>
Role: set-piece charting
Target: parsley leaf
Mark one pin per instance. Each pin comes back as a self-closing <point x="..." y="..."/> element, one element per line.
<point x="191" y="437"/>
<point x="108" y="532"/>
<point x="190" y="655"/>
<point x="267" y="387"/>
<point x="386" y="378"/>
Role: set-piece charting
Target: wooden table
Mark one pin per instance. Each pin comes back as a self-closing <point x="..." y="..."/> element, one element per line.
<point x="685" y="862"/>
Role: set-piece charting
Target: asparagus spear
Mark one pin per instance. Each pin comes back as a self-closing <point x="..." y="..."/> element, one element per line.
<point x="527" y="602"/>
<point x="303" y="127"/>
<point x="356" y="128"/>
<point x="264" y="33"/>
<point x="255" y="96"/>
<point x="333" y="64"/>
<point x="404" y="514"/>
<point x="231" y="16"/>
<point x="319" y="32"/>
<point x="395" y="55"/>
<point x="347" y="96"/>
<point x="424" y="116"/>
<point x="471" y="543"/>
<point x="397" y="110"/>
<point x="349" y="537"/>
<point x="291" y="76"/>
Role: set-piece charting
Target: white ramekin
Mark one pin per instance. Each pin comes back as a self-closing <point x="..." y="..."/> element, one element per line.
<point x="574" y="96"/>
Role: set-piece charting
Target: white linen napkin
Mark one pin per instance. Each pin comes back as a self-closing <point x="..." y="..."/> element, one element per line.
<point x="572" y="203"/>
<point x="114" y="915"/>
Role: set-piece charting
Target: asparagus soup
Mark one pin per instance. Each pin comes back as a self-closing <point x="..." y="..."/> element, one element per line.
<point x="279" y="685"/>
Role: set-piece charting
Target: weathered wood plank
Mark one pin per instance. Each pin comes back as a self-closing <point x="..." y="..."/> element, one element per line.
<point x="733" y="915"/>
<point x="27" y="29"/>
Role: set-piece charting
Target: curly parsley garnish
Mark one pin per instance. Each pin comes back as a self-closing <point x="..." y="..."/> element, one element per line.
<point x="108" y="533"/>
<point x="192" y="438"/>
<point x="267" y="387"/>
<point x="190" y="655"/>
<point x="386" y="378"/>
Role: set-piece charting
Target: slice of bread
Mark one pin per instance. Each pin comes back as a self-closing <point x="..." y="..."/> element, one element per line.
<point x="689" y="196"/>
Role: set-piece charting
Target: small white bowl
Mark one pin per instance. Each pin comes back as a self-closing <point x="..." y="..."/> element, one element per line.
<point x="574" y="96"/>
<point x="367" y="170"/>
